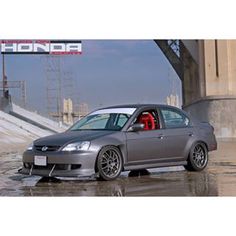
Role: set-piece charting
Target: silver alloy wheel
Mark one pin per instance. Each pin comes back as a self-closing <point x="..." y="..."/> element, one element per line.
<point x="199" y="156"/>
<point x="110" y="163"/>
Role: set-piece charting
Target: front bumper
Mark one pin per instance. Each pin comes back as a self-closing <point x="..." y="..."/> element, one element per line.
<point x="60" y="164"/>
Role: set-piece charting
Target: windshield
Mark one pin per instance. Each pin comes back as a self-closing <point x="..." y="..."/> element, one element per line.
<point x="107" y="119"/>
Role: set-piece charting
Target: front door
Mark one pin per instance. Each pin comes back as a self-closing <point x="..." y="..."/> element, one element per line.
<point x="146" y="145"/>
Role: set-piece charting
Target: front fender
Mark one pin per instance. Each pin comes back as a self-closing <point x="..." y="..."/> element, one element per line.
<point x="118" y="140"/>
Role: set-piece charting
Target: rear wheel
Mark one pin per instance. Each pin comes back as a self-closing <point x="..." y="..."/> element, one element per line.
<point x="198" y="158"/>
<point x="109" y="163"/>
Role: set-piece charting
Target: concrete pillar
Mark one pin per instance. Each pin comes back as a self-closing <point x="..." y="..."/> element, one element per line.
<point x="210" y="93"/>
<point x="190" y="72"/>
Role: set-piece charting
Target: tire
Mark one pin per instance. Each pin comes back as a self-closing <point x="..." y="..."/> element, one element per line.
<point x="109" y="163"/>
<point x="198" y="157"/>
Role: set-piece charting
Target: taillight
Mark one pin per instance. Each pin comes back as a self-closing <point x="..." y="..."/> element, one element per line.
<point x="213" y="129"/>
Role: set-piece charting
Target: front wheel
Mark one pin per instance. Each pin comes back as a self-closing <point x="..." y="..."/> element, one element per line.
<point x="109" y="163"/>
<point x="198" y="158"/>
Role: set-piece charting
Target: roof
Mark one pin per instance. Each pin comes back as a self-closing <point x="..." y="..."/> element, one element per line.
<point x="143" y="106"/>
<point x="137" y="106"/>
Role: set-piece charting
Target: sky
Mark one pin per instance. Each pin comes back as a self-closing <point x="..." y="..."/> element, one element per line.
<point x="108" y="72"/>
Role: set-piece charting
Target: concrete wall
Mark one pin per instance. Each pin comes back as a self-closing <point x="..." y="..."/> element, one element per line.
<point x="219" y="111"/>
<point x="36" y="119"/>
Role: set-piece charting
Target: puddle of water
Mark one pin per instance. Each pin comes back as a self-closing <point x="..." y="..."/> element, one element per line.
<point x="218" y="179"/>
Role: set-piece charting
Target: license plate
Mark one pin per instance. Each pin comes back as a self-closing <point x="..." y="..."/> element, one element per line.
<point x="40" y="160"/>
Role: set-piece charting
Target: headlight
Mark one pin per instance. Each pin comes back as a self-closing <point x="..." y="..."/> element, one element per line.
<point x="79" y="146"/>
<point x="30" y="147"/>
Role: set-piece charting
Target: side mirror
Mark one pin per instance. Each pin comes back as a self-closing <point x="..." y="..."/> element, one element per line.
<point x="136" y="127"/>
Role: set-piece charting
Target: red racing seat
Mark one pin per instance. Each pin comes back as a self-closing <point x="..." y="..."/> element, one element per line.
<point x="148" y="121"/>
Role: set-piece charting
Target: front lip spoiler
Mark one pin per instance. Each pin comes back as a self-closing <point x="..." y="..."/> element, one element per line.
<point x="32" y="167"/>
<point x="57" y="173"/>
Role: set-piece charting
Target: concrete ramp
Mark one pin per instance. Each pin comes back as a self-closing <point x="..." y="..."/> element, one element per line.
<point x="15" y="132"/>
<point x="36" y="119"/>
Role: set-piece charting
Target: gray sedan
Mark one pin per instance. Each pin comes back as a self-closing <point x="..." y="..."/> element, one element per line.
<point x="120" y="138"/>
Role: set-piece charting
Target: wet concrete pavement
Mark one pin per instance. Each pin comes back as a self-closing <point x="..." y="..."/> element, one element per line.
<point x="218" y="179"/>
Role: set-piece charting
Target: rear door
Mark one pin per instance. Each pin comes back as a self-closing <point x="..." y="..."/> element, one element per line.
<point x="177" y="133"/>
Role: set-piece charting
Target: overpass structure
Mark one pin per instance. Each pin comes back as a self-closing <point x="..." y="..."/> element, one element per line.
<point x="207" y="69"/>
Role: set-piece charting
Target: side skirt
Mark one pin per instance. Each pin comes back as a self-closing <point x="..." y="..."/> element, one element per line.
<point x="155" y="165"/>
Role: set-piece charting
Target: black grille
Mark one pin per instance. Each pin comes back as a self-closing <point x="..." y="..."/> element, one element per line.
<point x="50" y="166"/>
<point x="49" y="148"/>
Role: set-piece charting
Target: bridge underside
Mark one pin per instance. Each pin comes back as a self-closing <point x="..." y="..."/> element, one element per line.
<point x="207" y="69"/>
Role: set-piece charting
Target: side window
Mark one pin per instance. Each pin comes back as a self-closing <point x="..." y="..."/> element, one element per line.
<point x="150" y="120"/>
<point x="122" y="119"/>
<point x="117" y="121"/>
<point x="174" y="118"/>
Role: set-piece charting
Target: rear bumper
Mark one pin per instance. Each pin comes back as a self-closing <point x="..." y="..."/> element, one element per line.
<point x="60" y="164"/>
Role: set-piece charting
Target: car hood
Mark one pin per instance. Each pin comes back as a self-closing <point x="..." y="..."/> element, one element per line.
<point x="71" y="136"/>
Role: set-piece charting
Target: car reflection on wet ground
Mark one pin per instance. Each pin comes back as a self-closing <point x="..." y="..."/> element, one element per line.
<point x="218" y="179"/>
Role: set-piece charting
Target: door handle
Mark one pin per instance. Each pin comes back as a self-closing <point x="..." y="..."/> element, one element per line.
<point x="161" y="136"/>
<point x="190" y="134"/>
